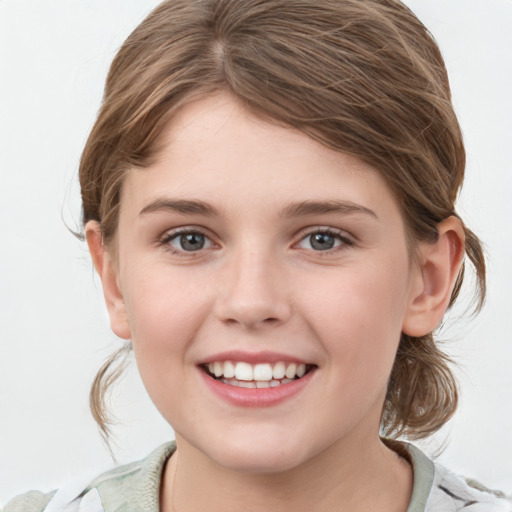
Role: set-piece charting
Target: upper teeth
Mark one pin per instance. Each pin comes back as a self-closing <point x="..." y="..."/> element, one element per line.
<point x="259" y="372"/>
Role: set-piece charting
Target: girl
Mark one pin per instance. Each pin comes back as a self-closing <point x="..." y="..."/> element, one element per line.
<point x="268" y="197"/>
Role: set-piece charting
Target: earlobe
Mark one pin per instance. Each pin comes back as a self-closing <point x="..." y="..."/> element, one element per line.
<point x="108" y="274"/>
<point x="439" y="265"/>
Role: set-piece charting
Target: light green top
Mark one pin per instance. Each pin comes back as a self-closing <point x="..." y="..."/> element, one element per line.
<point x="135" y="488"/>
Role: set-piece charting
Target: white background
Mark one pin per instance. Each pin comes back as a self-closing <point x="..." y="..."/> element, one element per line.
<point x="54" y="56"/>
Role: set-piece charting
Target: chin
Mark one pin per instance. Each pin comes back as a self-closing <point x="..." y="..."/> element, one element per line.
<point x="258" y="454"/>
<point x="258" y="462"/>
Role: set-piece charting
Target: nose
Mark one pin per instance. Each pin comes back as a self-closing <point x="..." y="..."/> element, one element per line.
<point x="252" y="291"/>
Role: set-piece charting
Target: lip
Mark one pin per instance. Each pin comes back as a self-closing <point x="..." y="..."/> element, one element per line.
<point x="253" y="358"/>
<point x="256" y="397"/>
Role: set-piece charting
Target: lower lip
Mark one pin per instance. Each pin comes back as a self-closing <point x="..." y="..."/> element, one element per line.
<point x="256" y="397"/>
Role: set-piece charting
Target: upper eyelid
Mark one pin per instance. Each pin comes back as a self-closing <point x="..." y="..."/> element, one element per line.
<point x="324" y="229"/>
<point x="169" y="234"/>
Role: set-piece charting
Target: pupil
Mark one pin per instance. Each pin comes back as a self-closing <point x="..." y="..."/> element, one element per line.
<point x="322" y="241"/>
<point x="192" y="242"/>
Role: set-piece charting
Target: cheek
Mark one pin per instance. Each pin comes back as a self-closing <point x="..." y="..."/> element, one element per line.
<point x="165" y="312"/>
<point x="359" y="314"/>
<point x="164" y="309"/>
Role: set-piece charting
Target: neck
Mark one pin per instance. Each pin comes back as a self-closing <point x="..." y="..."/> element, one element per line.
<point x="344" y="478"/>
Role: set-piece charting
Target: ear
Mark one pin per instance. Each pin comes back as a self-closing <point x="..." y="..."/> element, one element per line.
<point x="439" y="265"/>
<point x="108" y="274"/>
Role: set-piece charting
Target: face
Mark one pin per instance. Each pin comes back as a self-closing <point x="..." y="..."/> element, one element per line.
<point x="264" y="280"/>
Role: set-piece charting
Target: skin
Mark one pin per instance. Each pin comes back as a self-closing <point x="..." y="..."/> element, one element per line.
<point x="258" y="285"/>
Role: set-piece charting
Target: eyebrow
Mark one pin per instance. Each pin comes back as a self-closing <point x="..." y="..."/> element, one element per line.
<point x="183" y="206"/>
<point x="319" y="207"/>
<point x="302" y="208"/>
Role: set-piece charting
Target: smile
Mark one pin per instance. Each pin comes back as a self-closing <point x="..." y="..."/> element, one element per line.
<point x="262" y="375"/>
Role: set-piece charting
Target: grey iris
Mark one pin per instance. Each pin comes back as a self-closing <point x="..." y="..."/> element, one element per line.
<point x="192" y="241"/>
<point x="321" y="241"/>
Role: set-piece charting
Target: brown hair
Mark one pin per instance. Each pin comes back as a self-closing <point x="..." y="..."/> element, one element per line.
<point x="365" y="78"/>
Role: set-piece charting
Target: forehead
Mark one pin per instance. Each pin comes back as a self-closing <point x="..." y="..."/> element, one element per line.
<point x="215" y="149"/>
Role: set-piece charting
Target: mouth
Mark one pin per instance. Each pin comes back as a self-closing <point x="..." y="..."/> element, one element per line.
<point x="262" y="375"/>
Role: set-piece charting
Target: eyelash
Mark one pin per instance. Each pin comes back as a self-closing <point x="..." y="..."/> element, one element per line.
<point x="340" y="236"/>
<point x="175" y="234"/>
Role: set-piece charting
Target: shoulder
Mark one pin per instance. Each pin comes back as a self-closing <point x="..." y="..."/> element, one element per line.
<point x="33" y="501"/>
<point x="130" y="488"/>
<point x="437" y="489"/>
<point x="458" y="493"/>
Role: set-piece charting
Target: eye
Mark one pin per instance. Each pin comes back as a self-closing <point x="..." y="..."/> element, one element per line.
<point x="188" y="241"/>
<point x="323" y="240"/>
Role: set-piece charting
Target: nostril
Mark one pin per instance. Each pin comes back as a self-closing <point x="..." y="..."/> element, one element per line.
<point x="251" y="321"/>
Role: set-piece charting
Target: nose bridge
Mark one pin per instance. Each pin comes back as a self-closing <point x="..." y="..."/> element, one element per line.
<point x="252" y="292"/>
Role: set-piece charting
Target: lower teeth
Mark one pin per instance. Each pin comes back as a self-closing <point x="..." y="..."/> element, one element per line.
<point x="255" y="384"/>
